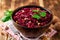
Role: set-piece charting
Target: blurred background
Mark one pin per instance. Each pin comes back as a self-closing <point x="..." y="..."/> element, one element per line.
<point x="52" y="5"/>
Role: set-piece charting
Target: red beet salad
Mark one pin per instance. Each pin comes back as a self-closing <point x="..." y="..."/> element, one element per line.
<point x="32" y="17"/>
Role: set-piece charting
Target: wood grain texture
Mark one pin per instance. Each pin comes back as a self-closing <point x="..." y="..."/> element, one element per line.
<point x="53" y="6"/>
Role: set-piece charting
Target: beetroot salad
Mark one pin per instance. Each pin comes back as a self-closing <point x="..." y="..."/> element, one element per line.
<point x="32" y="17"/>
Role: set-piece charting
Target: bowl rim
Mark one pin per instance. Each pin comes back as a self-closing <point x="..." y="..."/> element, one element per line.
<point x="16" y="10"/>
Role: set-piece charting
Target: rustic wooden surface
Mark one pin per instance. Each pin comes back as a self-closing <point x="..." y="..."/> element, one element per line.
<point x="53" y="6"/>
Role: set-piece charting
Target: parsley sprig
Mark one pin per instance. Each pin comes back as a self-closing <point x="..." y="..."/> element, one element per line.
<point x="36" y="16"/>
<point x="7" y="15"/>
<point x="39" y="15"/>
<point x="43" y="14"/>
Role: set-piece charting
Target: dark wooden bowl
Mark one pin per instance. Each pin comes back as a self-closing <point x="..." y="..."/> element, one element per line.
<point x="31" y="32"/>
<point x="30" y="6"/>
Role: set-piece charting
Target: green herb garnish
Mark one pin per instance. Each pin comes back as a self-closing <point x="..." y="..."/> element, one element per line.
<point x="43" y="14"/>
<point x="6" y="18"/>
<point x="35" y="10"/>
<point x="8" y="12"/>
<point x="36" y="16"/>
<point x="7" y="15"/>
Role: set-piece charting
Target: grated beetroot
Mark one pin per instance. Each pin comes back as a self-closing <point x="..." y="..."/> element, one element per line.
<point x="24" y="17"/>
